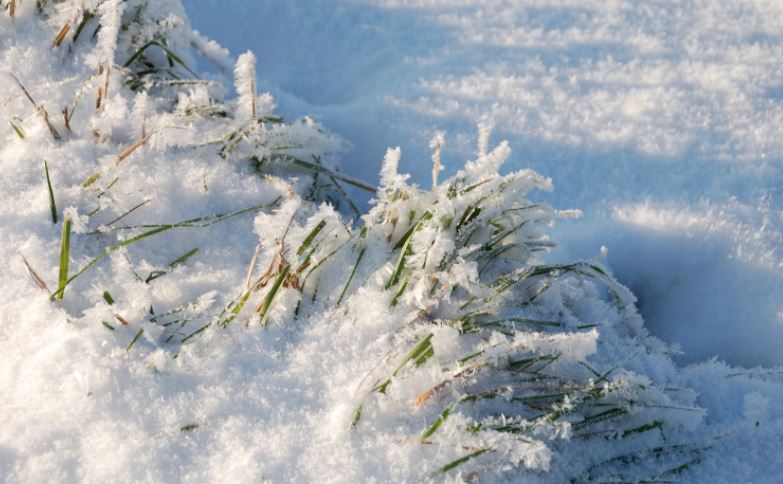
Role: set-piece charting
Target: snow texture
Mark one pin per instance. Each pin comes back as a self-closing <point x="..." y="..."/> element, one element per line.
<point x="674" y="106"/>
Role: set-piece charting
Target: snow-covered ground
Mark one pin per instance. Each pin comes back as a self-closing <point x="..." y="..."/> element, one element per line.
<point x="661" y="121"/>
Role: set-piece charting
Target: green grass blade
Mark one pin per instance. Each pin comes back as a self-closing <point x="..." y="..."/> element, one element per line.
<point x="458" y="462"/>
<point x="157" y="230"/>
<point x="310" y="237"/>
<point x="406" y="236"/>
<point x="404" y="245"/>
<point x="100" y="256"/>
<point x="65" y="254"/>
<point x="350" y="278"/>
<point x="357" y="415"/>
<point x="173" y="264"/>
<point x="340" y="190"/>
<point x="438" y="422"/>
<point x="18" y="130"/>
<point x="202" y="222"/>
<point x="273" y="292"/>
<point x="52" y="204"/>
<point x="418" y="349"/>
<point x="135" y="339"/>
<point x="335" y="174"/>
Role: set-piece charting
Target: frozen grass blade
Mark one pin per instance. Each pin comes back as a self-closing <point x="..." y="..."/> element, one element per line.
<point x="88" y="15"/>
<point x="121" y="157"/>
<point x="172" y="265"/>
<point x="136" y="207"/>
<point x="320" y="263"/>
<point x="438" y="422"/>
<point x="17" y="129"/>
<point x="422" y="347"/>
<point x="315" y="167"/>
<point x="265" y="306"/>
<point x="350" y="278"/>
<point x="61" y="36"/>
<point x="36" y="278"/>
<point x="418" y="349"/>
<point x="65" y="253"/>
<point x="39" y="108"/>
<point x="52" y="205"/>
<point x="135" y="339"/>
<point x="456" y="463"/>
<point x="172" y="57"/>
<point x="64" y="283"/>
<point x="309" y="239"/>
<point x="198" y="222"/>
<point x="339" y="189"/>
<point x="202" y="222"/>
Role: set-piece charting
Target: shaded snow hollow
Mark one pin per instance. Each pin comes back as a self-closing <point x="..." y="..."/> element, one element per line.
<point x="86" y="397"/>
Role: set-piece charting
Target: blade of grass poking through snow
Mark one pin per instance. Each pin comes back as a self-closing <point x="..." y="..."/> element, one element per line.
<point x="206" y="221"/>
<point x="404" y="245"/>
<point x="423" y="346"/>
<point x="350" y="278"/>
<point x="272" y="294"/>
<point x="438" y="422"/>
<point x="65" y="254"/>
<point x="339" y="189"/>
<point x="52" y="205"/>
<point x="39" y="108"/>
<point x="36" y="278"/>
<point x="198" y="222"/>
<point x="169" y="53"/>
<point x="136" y="207"/>
<point x="118" y="159"/>
<point x="319" y="264"/>
<point x="336" y="174"/>
<point x="456" y="463"/>
<point x="135" y="339"/>
<point x="61" y="36"/>
<point x="18" y="130"/>
<point x="173" y="264"/>
<point x="86" y="17"/>
<point x="310" y="237"/>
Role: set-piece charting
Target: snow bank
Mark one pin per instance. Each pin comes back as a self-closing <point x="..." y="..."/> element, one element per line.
<point x="218" y="321"/>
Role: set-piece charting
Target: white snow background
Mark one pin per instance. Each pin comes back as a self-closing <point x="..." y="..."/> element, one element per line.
<point x="660" y="121"/>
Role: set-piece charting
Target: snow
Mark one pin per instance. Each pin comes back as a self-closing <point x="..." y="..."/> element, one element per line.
<point x="671" y="106"/>
<point x="659" y="121"/>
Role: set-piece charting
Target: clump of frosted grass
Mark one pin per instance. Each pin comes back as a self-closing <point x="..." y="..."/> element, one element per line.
<point x="491" y="360"/>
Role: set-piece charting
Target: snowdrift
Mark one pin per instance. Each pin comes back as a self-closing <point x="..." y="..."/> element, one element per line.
<point x="194" y="296"/>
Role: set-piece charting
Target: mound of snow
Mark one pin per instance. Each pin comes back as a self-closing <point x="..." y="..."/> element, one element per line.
<point x="182" y="305"/>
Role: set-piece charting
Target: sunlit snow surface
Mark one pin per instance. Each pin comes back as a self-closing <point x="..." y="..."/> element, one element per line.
<point x="662" y="121"/>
